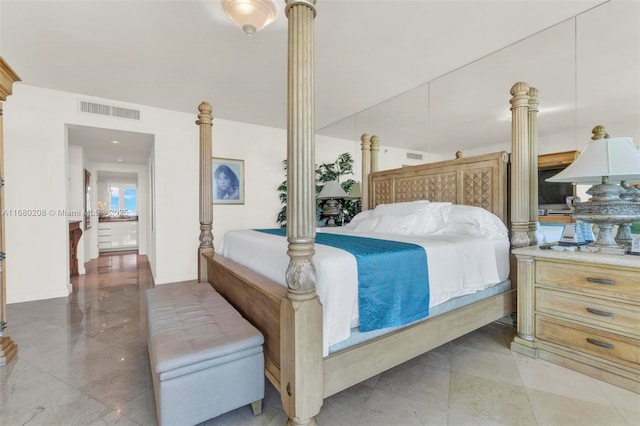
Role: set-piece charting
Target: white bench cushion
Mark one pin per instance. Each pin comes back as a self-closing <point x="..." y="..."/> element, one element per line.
<point x="206" y="359"/>
<point x="191" y="327"/>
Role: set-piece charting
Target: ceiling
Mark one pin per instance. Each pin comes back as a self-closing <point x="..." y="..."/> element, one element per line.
<point x="109" y="145"/>
<point x="175" y="54"/>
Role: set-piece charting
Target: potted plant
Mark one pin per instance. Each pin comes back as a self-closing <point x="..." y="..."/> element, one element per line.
<point x="324" y="172"/>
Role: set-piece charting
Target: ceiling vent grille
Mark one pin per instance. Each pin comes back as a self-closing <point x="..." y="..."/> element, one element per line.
<point x="113" y="111"/>
<point x="413" y="156"/>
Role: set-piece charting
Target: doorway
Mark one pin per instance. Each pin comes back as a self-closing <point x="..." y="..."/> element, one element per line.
<point x="121" y="202"/>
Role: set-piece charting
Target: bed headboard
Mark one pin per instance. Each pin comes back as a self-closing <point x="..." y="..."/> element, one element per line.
<point x="477" y="181"/>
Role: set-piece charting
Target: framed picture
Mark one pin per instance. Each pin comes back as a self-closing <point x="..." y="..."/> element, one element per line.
<point x="87" y="199"/>
<point x="228" y="181"/>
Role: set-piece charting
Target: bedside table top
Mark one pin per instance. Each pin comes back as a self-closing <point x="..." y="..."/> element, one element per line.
<point x="578" y="256"/>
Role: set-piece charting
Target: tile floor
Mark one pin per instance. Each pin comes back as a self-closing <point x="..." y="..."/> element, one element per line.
<point x="83" y="359"/>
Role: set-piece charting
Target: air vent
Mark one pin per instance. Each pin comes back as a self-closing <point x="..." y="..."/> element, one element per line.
<point x="413" y="156"/>
<point x="113" y="111"/>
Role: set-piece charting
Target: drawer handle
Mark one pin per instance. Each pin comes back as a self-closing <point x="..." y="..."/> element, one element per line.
<point x="600" y="281"/>
<point x="599" y="312"/>
<point x="599" y="343"/>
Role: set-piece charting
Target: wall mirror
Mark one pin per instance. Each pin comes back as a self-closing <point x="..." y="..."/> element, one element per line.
<point x="586" y="70"/>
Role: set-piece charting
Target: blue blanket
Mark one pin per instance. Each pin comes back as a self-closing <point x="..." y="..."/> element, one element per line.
<point x="393" y="280"/>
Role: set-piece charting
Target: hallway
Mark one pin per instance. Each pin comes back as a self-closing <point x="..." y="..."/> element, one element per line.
<point x="82" y="360"/>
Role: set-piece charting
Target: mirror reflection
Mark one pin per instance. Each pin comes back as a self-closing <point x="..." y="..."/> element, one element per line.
<point x="586" y="69"/>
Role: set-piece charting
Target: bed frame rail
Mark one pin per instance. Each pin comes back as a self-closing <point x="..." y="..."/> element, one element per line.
<point x="257" y="298"/>
<point x="358" y="363"/>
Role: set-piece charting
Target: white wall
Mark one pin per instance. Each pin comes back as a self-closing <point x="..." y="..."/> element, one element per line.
<point x="35" y="163"/>
<point x="36" y="173"/>
<point x="391" y="158"/>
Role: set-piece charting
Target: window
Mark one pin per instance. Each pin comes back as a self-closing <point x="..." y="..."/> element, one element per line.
<point x="123" y="200"/>
<point x="129" y="199"/>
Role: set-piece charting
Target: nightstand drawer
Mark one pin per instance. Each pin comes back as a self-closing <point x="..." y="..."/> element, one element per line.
<point x="596" y="280"/>
<point x="601" y="344"/>
<point x="615" y="316"/>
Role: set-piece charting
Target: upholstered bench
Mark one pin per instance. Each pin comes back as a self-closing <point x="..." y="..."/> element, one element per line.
<point x="206" y="359"/>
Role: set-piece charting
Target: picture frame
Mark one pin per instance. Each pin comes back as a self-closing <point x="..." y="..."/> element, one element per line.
<point x="87" y="199"/>
<point x="228" y="181"/>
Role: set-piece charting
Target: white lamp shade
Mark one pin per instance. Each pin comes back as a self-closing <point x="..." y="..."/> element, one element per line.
<point x="250" y="15"/>
<point x="355" y="191"/>
<point x="332" y="189"/>
<point x="617" y="158"/>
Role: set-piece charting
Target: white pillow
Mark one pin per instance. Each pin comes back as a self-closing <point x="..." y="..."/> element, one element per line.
<point x="482" y="222"/>
<point x="360" y="217"/>
<point x="398" y="208"/>
<point x="395" y="224"/>
<point x="364" y="225"/>
<point x="430" y="218"/>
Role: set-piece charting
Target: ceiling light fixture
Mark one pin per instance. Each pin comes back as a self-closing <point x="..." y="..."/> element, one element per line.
<point x="250" y="15"/>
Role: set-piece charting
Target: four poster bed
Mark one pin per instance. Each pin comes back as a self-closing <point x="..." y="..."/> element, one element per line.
<point x="298" y="360"/>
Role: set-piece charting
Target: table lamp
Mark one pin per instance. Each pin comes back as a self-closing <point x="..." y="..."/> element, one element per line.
<point x="355" y="194"/>
<point x="332" y="192"/>
<point x="604" y="159"/>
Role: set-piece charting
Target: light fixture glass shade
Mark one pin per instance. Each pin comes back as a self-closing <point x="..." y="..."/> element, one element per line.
<point x="616" y="158"/>
<point x="250" y="15"/>
<point x="332" y="189"/>
<point x="355" y="191"/>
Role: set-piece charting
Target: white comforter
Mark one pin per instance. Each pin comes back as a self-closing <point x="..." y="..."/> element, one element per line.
<point x="457" y="264"/>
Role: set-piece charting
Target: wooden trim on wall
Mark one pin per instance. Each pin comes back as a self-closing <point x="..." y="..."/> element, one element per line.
<point x="557" y="159"/>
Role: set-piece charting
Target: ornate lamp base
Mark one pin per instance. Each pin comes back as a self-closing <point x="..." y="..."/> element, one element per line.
<point x="606" y="214"/>
<point x="331" y="210"/>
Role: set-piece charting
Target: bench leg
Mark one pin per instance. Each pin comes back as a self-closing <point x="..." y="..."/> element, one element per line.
<point x="256" y="406"/>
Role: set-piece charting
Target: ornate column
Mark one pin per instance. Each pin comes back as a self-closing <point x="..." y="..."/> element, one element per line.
<point x="524" y="342"/>
<point x="533" y="165"/>
<point x="375" y="149"/>
<point x="366" y="169"/>
<point x="301" y="381"/>
<point x="520" y="162"/>
<point x="205" y="122"/>
<point x="8" y="348"/>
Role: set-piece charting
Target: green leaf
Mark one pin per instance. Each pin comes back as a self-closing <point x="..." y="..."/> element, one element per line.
<point x="324" y="172"/>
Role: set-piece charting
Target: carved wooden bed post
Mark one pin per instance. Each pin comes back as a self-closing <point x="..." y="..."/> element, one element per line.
<point x="520" y="161"/>
<point x="375" y="149"/>
<point x="533" y="165"/>
<point x="524" y="163"/>
<point x="205" y="121"/>
<point x="301" y="384"/>
<point x="366" y="169"/>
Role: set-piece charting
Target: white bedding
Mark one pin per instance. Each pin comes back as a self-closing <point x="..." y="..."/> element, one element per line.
<point x="458" y="265"/>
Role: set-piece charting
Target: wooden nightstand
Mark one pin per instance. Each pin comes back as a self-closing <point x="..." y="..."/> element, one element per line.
<point x="582" y="311"/>
<point x="556" y="219"/>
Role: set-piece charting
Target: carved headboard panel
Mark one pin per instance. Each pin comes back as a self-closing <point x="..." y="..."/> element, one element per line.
<point x="477" y="181"/>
